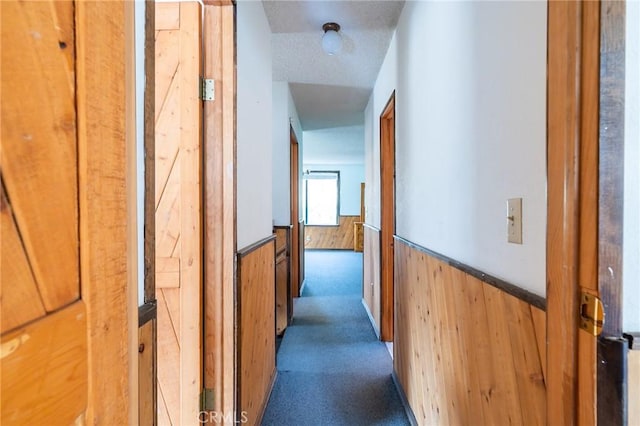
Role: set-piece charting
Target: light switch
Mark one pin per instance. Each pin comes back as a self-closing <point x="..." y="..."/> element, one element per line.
<point x="514" y="220"/>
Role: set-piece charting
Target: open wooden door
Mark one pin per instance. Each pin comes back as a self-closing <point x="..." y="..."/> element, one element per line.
<point x="387" y="216"/>
<point x="297" y="243"/>
<point x="64" y="214"/>
<point x="178" y="211"/>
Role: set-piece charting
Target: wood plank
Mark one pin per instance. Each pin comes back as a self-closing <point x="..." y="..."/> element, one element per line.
<point x="220" y="210"/>
<point x="149" y="153"/>
<point x="506" y="406"/>
<point x="339" y="237"/>
<point x="190" y="213"/>
<point x="19" y="296"/>
<point x="39" y="150"/>
<point x="256" y="333"/>
<point x="104" y="211"/>
<point x="539" y="318"/>
<point x="146" y="371"/>
<point x="531" y="388"/>
<point x="563" y="109"/>
<point x="44" y="369"/>
<point x="167" y="272"/>
<point x="634" y="387"/>
<point x="167" y="133"/>
<point x="168" y="341"/>
<point x="167" y="16"/>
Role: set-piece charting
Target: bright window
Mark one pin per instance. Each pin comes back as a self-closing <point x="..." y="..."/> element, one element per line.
<point x="322" y="198"/>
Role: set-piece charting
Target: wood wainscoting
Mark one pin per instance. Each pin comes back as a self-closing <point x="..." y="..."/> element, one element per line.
<point x="371" y="275"/>
<point x="634" y="387"/>
<point x="466" y="351"/>
<point x="256" y="338"/>
<point x="284" y="301"/>
<point x="331" y="237"/>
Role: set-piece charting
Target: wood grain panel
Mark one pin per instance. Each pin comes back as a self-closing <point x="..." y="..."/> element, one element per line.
<point x="19" y="294"/>
<point x="44" y="369"/>
<point x="283" y="291"/>
<point x="331" y="237"/>
<point x="146" y="373"/>
<point x="104" y="207"/>
<point x="39" y="151"/>
<point x="371" y="277"/>
<point x="634" y="387"/>
<point x="220" y="207"/>
<point x="256" y="328"/>
<point x="465" y="352"/>
<point x="178" y="215"/>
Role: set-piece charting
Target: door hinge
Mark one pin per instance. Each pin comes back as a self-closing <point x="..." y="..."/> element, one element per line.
<point x="207" y="401"/>
<point x="591" y="314"/>
<point x="207" y="89"/>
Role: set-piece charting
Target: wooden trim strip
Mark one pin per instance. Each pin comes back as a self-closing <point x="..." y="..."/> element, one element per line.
<point x="507" y="287"/>
<point x="149" y="153"/>
<point x="250" y="248"/>
<point x="146" y="313"/>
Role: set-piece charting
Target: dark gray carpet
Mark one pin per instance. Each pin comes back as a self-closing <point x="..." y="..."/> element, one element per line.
<point x="332" y="370"/>
<point x="333" y="273"/>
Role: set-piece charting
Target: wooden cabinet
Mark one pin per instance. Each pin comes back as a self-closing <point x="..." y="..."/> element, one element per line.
<point x="284" y="301"/>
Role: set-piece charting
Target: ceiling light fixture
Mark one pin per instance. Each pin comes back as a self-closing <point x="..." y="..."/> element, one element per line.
<point x="331" y="40"/>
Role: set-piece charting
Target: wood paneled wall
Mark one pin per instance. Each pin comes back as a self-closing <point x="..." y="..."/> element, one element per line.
<point x="331" y="237"/>
<point x="371" y="277"/>
<point x="634" y="387"/>
<point x="465" y="352"/>
<point x="147" y="371"/>
<point x="283" y="289"/>
<point x="256" y="329"/>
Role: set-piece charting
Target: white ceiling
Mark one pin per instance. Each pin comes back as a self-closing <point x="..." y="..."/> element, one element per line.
<point x="330" y="91"/>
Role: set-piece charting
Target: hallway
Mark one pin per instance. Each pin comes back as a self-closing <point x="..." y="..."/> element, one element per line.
<point x="332" y="369"/>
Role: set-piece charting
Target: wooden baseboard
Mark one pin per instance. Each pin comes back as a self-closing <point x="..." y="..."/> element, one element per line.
<point x="373" y="322"/>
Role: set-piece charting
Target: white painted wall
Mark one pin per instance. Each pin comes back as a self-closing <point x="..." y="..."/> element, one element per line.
<point x="254" y="124"/>
<point x="351" y="176"/>
<point x="335" y="145"/>
<point x="470" y="81"/>
<point x="631" y="274"/>
<point x="284" y="115"/>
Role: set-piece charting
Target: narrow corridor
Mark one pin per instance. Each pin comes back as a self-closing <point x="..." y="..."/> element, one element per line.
<point x="332" y="370"/>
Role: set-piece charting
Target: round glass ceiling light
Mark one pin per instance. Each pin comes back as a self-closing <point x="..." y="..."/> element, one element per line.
<point x="331" y="40"/>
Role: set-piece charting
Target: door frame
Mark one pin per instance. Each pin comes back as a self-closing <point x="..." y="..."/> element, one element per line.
<point x="219" y="216"/>
<point x="297" y="246"/>
<point x="387" y="217"/>
<point x="585" y="119"/>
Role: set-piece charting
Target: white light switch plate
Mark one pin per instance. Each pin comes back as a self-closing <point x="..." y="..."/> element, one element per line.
<point x="514" y="220"/>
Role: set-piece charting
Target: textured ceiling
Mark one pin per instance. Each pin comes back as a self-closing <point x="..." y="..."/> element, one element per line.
<point x="330" y="91"/>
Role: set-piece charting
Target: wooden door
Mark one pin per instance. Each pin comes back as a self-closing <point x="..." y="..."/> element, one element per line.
<point x="64" y="213"/>
<point x="387" y="216"/>
<point x="178" y="211"/>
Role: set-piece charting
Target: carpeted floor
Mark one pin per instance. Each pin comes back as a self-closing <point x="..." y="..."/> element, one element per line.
<point x="332" y="370"/>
